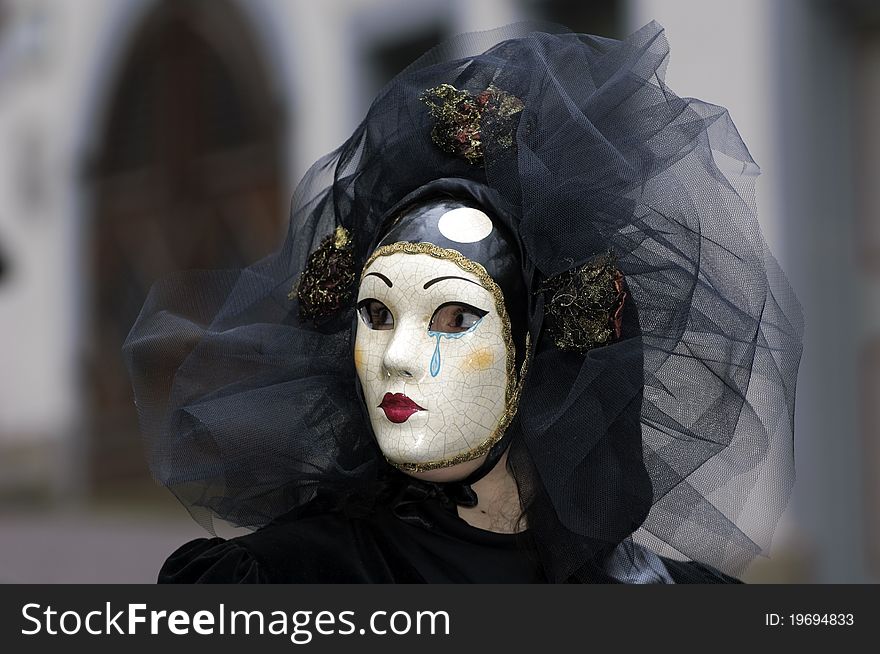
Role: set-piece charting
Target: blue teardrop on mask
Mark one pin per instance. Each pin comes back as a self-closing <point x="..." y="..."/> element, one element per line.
<point x="435" y="360"/>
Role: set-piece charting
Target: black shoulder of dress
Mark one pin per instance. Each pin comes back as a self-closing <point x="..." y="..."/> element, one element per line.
<point x="212" y="561"/>
<point x="326" y="548"/>
<point x="692" y="572"/>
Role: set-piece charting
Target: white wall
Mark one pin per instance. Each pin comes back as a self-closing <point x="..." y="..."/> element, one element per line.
<point x="54" y="91"/>
<point x="39" y="92"/>
<point x="720" y="53"/>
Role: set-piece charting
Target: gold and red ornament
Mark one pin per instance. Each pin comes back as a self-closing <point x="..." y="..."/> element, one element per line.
<point x="584" y="305"/>
<point x="326" y="285"/>
<point x="466" y="122"/>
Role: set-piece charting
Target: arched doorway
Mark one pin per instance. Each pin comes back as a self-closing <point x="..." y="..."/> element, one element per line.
<point x="187" y="176"/>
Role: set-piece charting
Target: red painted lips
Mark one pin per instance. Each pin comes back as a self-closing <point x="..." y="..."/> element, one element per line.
<point x="398" y="407"/>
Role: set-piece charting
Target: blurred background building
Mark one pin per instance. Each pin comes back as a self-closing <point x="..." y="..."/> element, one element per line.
<point x="145" y="136"/>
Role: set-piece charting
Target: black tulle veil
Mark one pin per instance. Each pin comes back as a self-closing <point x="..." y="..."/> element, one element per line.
<point x="662" y="436"/>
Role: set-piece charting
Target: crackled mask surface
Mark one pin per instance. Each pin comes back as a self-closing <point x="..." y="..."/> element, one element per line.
<point x="434" y="356"/>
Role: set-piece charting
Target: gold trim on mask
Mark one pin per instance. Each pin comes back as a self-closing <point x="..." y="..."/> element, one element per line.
<point x="514" y="387"/>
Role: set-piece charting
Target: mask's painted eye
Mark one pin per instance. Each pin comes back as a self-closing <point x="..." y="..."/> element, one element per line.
<point x="375" y="314"/>
<point x="455" y="317"/>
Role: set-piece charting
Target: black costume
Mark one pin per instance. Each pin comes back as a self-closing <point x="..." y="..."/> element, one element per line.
<point x="658" y="337"/>
<point x="437" y="547"/>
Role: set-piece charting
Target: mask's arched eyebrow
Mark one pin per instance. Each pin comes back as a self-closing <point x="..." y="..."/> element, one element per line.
<point x="440" y="279"/>
<point x="382" y="277"/>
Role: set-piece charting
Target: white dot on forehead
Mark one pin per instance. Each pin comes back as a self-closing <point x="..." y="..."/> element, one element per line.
<point x="465" y="225"/>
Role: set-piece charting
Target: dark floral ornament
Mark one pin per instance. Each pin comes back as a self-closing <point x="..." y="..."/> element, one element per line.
<point x="466" y="121"/>
<point x="584" y="305"/>
<point x="327" y="282"/>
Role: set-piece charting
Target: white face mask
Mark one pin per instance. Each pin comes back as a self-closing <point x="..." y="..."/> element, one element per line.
<point x="434" y="355"/>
